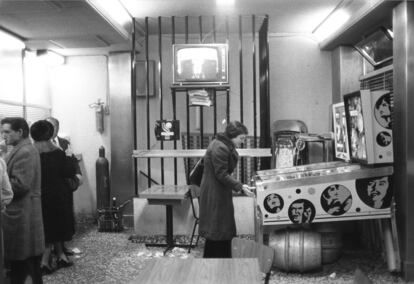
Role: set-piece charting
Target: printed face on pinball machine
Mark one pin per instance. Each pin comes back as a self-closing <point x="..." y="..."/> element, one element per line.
<point x="323" y="192"/>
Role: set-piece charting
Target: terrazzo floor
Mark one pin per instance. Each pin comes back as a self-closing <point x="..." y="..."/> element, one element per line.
<point x="113" y="258"/>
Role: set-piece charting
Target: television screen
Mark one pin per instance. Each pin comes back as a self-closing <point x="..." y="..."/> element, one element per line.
<point x="377" y="47"/>
<point x="340" y="131"/>
<point x="200" y="63"/>
<point x="356" y="130"/>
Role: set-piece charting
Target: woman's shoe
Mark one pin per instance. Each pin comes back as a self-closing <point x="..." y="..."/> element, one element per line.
<point x="63" y="263"/>
<point x="45" y="270"/>
<point x="68" y="251"/>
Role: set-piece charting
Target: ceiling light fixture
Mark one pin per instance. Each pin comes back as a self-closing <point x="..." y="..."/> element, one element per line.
<point x="335" y="20"/>
<point x="10" y="42"/>
<point x="225" y="2"/>
<point x="114" y="13"/>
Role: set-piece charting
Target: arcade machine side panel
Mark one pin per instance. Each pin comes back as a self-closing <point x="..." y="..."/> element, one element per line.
<point x="356" y="195"/>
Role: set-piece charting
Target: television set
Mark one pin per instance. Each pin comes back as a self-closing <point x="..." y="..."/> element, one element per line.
<point x="200" y="64"/>
<point x="340" y="132"/>
<point x="376" y="48"/>
<point x="369" y="126"/>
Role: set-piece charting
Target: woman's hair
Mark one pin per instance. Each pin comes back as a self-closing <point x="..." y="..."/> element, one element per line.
<point x="41" y="130"/>
<point x="385" y="98"/>
<point x="234" y="129"/>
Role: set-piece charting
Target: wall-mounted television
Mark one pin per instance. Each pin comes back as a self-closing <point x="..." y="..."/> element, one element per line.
<point x="376" y="48"/>
<point x="340" y="131"/>
<point x="200" y="64"/>
<point x="369" y="124"/>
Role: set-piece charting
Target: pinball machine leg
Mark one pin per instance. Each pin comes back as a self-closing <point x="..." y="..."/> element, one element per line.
<point x="391" y="244"/>
<point x="258" y="226"/>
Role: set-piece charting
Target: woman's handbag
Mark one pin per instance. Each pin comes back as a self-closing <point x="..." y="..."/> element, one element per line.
<point x="196" y="173"/>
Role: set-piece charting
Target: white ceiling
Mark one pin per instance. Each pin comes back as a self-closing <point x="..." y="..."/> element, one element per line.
<point x="74" y="27"/>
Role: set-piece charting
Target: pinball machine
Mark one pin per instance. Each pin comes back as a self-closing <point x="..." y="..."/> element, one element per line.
<point x="359" y="186"/>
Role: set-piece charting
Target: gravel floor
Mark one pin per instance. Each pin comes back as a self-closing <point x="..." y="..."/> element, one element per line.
<point x="113" y="258"/>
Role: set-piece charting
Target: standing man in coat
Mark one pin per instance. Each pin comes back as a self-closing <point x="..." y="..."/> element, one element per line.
<point x="23" y="224"/>
<point x="217" y="223"/>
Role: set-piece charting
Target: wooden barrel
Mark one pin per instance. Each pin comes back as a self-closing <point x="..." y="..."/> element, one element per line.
<point x="331" y="246"/>
<point x="296" y="249"/>
<point x="331" y="242"/>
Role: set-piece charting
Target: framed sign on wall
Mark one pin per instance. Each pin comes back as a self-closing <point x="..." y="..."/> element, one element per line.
<point x="141" y="78"/>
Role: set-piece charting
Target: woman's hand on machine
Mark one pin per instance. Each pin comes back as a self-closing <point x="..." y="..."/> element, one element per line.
<point x="246" y="190"/>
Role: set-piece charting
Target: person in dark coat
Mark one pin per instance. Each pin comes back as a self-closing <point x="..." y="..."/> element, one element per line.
<point x="217" y="224"/>
<point x="72" y="182"/>
<point x="23" y="234"/>
<point x="56" y="216"/>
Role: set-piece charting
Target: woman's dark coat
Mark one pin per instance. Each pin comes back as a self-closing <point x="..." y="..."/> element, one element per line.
<point x="216" y="200"/>
<point x="23" y="223"/>
<point x="57" y="215"/>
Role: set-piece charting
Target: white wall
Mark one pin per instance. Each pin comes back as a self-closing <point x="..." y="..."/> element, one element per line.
<point x="300" y="82"/>
<point x="74" y="86"/>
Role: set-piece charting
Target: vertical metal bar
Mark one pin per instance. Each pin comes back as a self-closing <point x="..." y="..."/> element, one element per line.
<point x="134" y="104"/>
<point x="214" y="90"/>
<point x="186" y="29"/>
<point x="254" y="90"/>
<point x="169" y="228"/>
<point x="23" y="54"/>
<point x="187" y="101"/>
<point x="200" y="25"/>
<point x="241" y="87"/>
<point x="173" y="102"/>
<point x="201" y="127"/>
<point x="188" y="106"/>
<point x="215" y="111"/>
<point x="147" y="99"/>
<point x="227" y="90"/>
<point x="265" y="135"/>
<point x="403" y="136"/>
<point x="175" y="141"/>
<point x="161" y="94"/>
<point x="241" y="67"/>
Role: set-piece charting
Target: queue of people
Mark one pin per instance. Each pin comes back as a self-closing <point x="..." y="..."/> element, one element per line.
<point x="37" y="200"/>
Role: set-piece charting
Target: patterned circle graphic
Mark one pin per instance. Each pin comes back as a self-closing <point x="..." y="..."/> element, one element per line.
<point x="383" y="111"/>
<point x="301" y="211"/>
<point x="336" y="199"/>
<point x="384" y="139"/>
<point x="376" y="192"/>
<point x="273" y="203"/>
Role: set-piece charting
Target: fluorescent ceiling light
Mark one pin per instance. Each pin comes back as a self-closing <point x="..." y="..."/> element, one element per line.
<point x="225" y="2"/>
<point x="50" y="57"/>
<point x="10" y="42"/>
<point x="331" y="24"/>
<point x="114" y="13"/>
